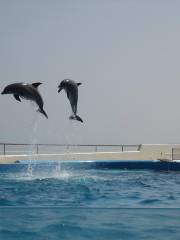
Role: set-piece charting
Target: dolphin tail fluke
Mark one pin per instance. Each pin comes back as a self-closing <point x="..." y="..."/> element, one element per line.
<point x="76" y="117"/>
<point x="43" y="112"/>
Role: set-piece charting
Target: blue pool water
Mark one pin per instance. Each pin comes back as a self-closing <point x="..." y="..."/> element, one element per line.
<point x="57" y="203"/>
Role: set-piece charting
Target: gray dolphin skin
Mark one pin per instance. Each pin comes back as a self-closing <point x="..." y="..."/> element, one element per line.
<point x="71" y="89"/>
<point x="26" y="91"/>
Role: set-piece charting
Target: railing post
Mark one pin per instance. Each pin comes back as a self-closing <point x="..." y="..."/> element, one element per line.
<point x="37" y="149"/>
<point x="4" y="148"/>
<point x="122" y="148"/>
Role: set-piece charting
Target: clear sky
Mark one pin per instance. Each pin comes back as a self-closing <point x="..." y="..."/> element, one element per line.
<point x="126" y="53"/>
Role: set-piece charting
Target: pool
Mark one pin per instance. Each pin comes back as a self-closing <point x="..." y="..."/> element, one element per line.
<point x="88" y="200"/>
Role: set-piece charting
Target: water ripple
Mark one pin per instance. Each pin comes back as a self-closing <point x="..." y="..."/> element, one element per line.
<point x="91" y="188"/>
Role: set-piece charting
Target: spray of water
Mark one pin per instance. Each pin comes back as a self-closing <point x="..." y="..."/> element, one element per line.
<point x="71" y="138"/>
<point x="33" y="142"/>
<point x="32" y="151"/>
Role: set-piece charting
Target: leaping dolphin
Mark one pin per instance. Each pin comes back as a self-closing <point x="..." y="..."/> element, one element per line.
<point x="71" y="89"/>
<point x="26" y="91"/>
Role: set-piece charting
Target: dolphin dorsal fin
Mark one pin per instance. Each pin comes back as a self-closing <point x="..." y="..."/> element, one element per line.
<point x="79" y="83"/>
<point x="36" y="84"/>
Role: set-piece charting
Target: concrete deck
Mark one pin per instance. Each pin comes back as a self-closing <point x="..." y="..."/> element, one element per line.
<point x="146" y="152"/>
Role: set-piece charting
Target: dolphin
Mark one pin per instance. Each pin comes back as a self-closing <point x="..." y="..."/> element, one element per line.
<point x="26" y="91"/>
<point x="71" y="89"/>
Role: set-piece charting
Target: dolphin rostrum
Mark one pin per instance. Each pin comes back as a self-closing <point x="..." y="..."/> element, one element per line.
<point x="71" y="89"/>
<point x="26" y="91"/>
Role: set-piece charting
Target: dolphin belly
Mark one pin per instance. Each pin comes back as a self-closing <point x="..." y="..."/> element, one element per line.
<point x="73" y="101"/>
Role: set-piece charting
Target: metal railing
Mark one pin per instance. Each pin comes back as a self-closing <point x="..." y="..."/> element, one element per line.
<point x="17" y="149"/>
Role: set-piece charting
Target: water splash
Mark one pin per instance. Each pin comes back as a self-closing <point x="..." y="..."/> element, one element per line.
<point x="33" y="141"/>
<point x="30" y="170"/>
<point x="71" y="139"/>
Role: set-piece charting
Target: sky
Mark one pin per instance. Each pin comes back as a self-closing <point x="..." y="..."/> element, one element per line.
<point x="126" y="54"/>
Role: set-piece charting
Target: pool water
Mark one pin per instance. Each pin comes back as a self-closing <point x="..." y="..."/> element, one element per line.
<point x="89" y="223"/>
<point x="91" y="188"/>
<point x="89" y="204"/>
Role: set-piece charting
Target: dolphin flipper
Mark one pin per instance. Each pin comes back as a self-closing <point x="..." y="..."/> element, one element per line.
<point x="17" y="97"/>
<point x="67" y="94"/>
